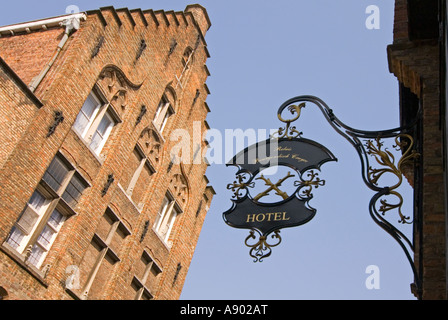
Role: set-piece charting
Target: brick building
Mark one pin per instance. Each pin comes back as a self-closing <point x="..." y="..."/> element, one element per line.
<point x="95" y="202"/>
<point x="417" y="58"/>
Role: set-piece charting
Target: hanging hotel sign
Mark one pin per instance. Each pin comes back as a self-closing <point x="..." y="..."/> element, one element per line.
<point x="274" y="184"/>
<point x="265" y="204"/>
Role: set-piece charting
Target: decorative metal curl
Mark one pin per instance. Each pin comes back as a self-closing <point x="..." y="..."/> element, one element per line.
<point x="386" y="159"/>
<point x="239" y="186"/>
<point x="288" y="131"/>
<point x="306" y="186"/>
<point x="386" y="206"/>
<point x="261" y="249"/>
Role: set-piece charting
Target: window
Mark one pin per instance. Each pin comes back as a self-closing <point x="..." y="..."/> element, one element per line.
<point x="166" y="217"/>
<point x="94" y="122"/>
<point x="147" y="283"/>
<point x="101" y="256"/>
<point x="141" y="177"/>
<point x="187" y="57"/>
<point x="164" y="111"/>
<point x="46" y="238"/>
<point x="87" y="114"/>
<point x="50" y="205"/>
<point x="187" y="60"/>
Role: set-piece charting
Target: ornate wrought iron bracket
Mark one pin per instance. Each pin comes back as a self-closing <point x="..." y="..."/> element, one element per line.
<point x="369" y="144"/>
<point x="300" y="156"/>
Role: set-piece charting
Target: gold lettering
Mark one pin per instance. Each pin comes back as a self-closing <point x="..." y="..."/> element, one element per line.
<point x="268" y="216"/>
<point x="277" y="216"/>
<point x="250" y="218"/>
<point x="298" y="158"/>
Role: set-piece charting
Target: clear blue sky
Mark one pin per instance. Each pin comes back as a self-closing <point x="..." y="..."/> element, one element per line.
<point x="263" y="53"/>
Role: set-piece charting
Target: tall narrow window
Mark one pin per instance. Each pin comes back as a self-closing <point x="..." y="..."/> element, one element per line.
<point x="50" y="205"/>
<point x="95" y="121"/>
<point x="87" y="114"/>
<point x="187" y="60"/>
<point x="140" y="178"/>
<point x="46" y="238"/>
<point x="166" y="217"/>
<point x="164" y="111"/>
<point x="187" y="57"/>
<point x="101" y="133"/>
<point x="102" y="255"/>
<point x="147" y="281"/>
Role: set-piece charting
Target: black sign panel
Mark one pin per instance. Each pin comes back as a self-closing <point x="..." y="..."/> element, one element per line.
<point x="248" y="214"/>
<point x="302" y="158"/>
<point x="298" y="153"/>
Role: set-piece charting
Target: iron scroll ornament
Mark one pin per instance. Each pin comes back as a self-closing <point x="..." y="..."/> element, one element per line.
<point x="369" y="145"/>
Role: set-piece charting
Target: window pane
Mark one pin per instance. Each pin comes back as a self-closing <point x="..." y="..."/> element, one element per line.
<point x="161" y="213"/>
<point x="101" y="133"/>
<point x="162" y="103"/>
<point x="56" y="173"/>
<point x="86" y="114"/>
<point x="81" y="123"/>
<point x="37" y="201"/>
<point x="46" y="237"/>
<point x="27" y="220"/>
<point x="15" y="238"/>
<point x="35" y="255"/>
<point x="104" y="124"/>
<point x="161" y="114"/>
<point x="56" y="219"/>
<point x="73" y="191"/>
<point x="165" y="120"/>
<point x="169" y="225"/>
<point x="146" y="296"/>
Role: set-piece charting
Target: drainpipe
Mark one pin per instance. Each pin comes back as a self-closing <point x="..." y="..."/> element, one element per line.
<point x="71" y="25"/>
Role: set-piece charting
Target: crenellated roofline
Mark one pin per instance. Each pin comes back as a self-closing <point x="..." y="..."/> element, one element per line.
<point x="197" y="14"/>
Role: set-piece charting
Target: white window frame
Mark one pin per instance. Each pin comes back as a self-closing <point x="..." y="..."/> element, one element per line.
<point x="30" y="234"/>
<point x="104" y="136"/>
<point x="166" y="217"/>
<point x="102" y="110"/>
<point x="46" y="248"/>
<point x="93" y="116"/>
<point x="19" y="228"/>
<point x="30" y="238"/>
<point x="164" y="111"/>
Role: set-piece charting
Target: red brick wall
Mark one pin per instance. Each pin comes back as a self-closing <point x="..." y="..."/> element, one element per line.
<point x="65" y="88"/>
<point x="28" y="54"/>
<point x="416" y="66"/>
<point x="16" y="112"/>
<point x="401" y="28"/>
